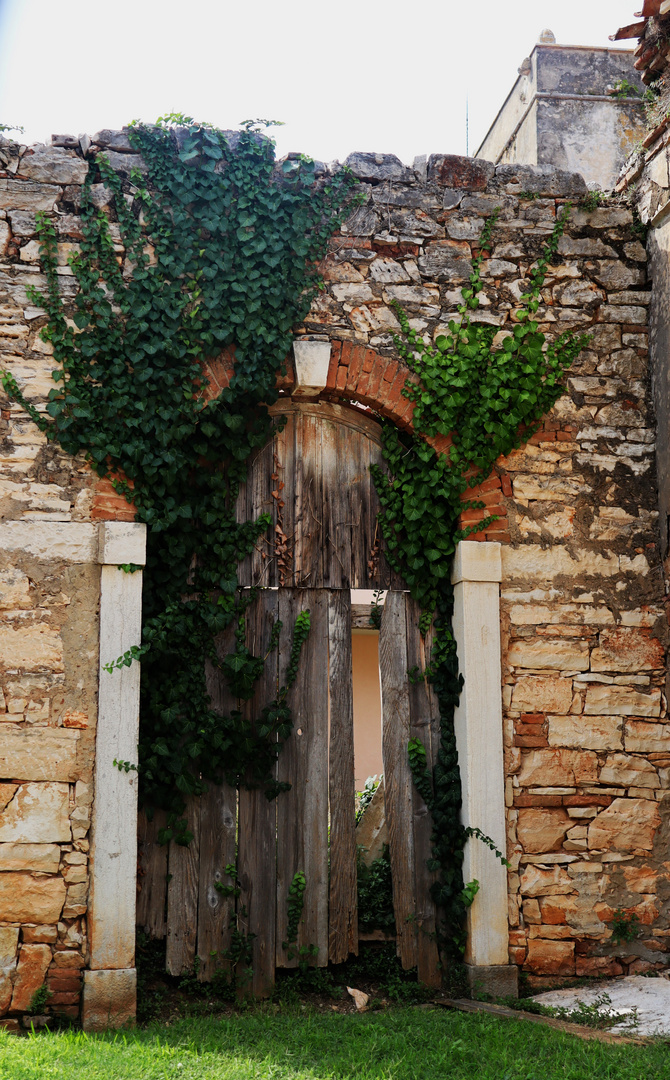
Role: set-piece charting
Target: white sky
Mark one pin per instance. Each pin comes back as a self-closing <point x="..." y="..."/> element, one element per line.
<point x="379" y="75"/>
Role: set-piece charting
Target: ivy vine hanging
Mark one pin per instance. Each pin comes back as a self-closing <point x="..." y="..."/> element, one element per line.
<point x="221" y="250"/>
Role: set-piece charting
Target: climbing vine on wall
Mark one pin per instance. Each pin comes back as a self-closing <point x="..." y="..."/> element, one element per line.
<point x="488" y="400"/>
<point x="221" y="249"/>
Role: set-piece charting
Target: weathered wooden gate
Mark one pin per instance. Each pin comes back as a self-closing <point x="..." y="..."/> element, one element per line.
<point x="314" y="478"/>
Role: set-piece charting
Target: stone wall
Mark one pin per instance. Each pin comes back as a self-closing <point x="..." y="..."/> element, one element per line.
<point x="49" y="621"/>
<point x="583" y="597"/>
<point x="584" y="629"/>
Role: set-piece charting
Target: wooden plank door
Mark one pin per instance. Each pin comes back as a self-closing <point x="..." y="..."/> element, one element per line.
<point x="406" y="713"/>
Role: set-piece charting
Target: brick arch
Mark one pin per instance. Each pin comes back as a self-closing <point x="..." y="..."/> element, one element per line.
<point x="377" y="381"/>
<point x="358" y="373"/>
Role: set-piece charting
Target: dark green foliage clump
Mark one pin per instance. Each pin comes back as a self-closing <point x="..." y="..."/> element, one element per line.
<point x="221" y="251"/>
<point x="375" y="894"/>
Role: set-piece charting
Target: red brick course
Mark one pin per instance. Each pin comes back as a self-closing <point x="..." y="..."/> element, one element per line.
<point x="358" y="373"/>
<point x="363" y="375"/>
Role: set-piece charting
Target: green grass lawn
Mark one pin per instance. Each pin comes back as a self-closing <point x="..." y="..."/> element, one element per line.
<point x="292" y="1044"/>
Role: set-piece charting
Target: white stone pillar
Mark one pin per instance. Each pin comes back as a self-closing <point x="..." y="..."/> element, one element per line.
<point x="109" y="987"/>
<point x="476" y="577"/>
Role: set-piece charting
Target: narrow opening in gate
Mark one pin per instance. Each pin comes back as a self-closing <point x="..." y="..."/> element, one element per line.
<point x="366" y="690"/>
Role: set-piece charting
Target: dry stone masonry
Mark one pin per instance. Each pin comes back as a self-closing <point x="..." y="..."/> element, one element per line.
<point x="584" y="627"/>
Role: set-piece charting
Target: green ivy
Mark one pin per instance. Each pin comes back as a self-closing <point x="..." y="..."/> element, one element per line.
<point x="488" y="399"/>
<point x="222" y="248"/>
<point x="296" y="902"/>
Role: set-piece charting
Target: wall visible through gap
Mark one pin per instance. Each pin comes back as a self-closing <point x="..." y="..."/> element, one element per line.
<point x="367" y="706"/>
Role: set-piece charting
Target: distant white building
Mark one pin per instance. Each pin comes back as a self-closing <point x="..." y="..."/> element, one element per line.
<point x="561" y="111"/>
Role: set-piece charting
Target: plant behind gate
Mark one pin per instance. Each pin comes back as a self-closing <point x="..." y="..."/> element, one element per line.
<point x="487" y="400"/>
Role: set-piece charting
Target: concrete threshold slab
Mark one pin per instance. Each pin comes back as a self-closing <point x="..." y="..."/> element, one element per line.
<point x="647" y="999"/>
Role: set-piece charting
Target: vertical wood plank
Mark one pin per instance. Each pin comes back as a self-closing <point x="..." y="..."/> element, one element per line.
<point x="152" y="875"/>
<point x="290" y="473"/>
<point x="256" y="862"/>
<point x="254" y="499"/>
<point x="398" y="782"/>
<point x="332" y="566"/>
<point x="382" y="579"/>
<point x="182" y="896"/>
<point x="218" y="826"/>
<point x="421" y="727"/>
<point x="343" y="904"/>
<point x="218" y="821"/>
<point x="308" y="519"/>
<point x="434" y="705"/>
<point x="302" y="812"/>
<point x="359" y="509"/>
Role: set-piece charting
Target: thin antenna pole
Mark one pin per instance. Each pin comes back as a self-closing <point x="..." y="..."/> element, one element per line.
<point x="467" y="127"/>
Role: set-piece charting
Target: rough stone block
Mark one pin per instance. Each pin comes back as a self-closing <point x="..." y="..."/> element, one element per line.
<point x="6" y="989"/>
<point x="558" y="767"/>
<point x="388" y="272"/>
<point x="33" y="963"/>
<point x="65" y="541"/>
<point x="542" y="830"/>
<point x="54" y="165"/>
<point x="452" y="171"/>
<point x="641" y="879"/>
<point x="540" y="179"/>
<point x="629" y="771"/>
<point x="572" y="654"/>
<point x="613" y="700"/>
<point x="31" y="648"/>
<point x="25" y="195"/>
<point x="588" y="732"/>
<point x="26" y="899"/>
<point x="498" y="980"/>
<point x="550" y="957"/>
<point x="44" y="755"/>
<point x="531" y="912"/>
<point x="378" y="167"/>
<point x="40" y="934"/>
<point x="446" y="260"/>
<point x="124" y="163"/>
<point x="586" y="246"/>
<point x="625" y="825"/>
<point x="9" y="943"/>
<point x="647" y="738"/>
<point x="109" y="999"/>
<point x="37" y="857"/>
<point x="597" y="966"/>
<point x="112" y="139"/>
<point x="37" y="815"/>
<point x="555" y="908"/>
<point x="538" y="882"/>
<point x="544" y="564"/>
